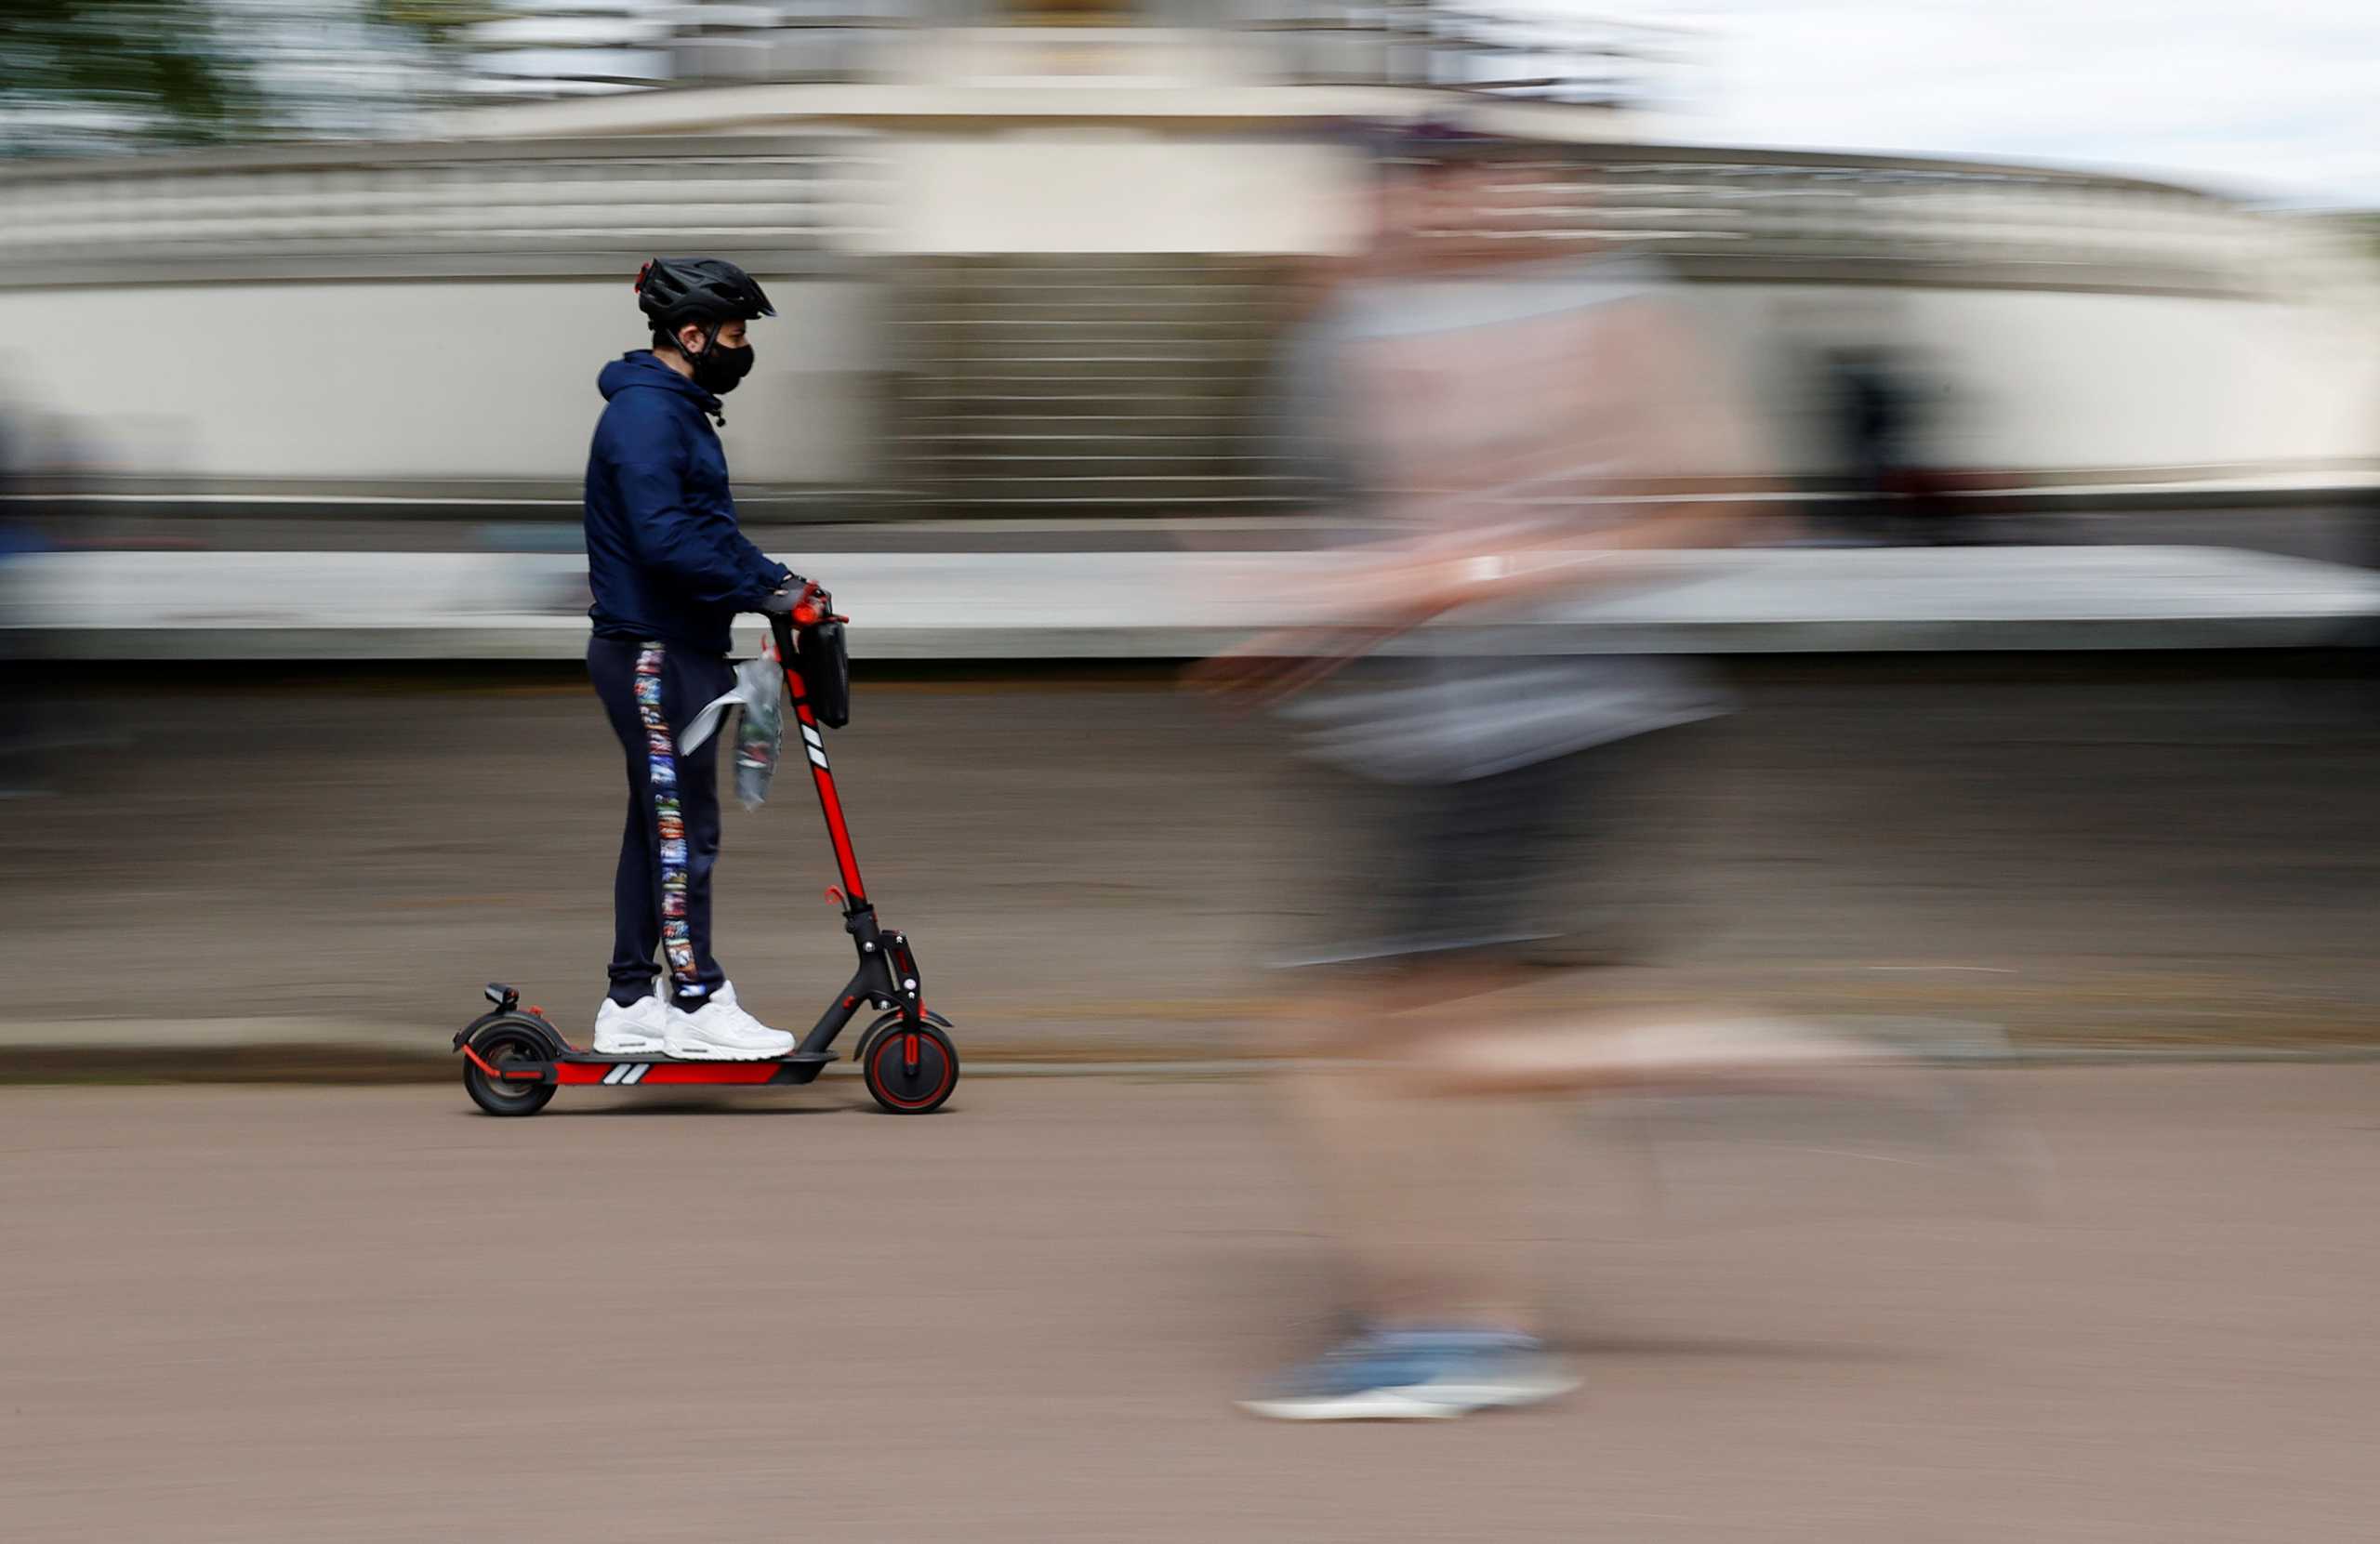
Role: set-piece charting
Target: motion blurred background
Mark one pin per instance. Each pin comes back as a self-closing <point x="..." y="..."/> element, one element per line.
<point x="2056" y="325"/>
<point x="2055" y="333"/>
<point x="2060" y="469"/>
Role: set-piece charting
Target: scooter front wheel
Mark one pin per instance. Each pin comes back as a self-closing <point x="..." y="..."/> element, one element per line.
<point x="910" y="1072"/>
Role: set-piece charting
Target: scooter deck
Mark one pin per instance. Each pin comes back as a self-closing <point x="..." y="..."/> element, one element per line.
<point x="587" y="1068"/>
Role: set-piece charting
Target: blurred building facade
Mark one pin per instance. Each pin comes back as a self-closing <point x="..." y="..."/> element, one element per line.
<point x="1029" y="267"/>
<point x="548" y="48"/>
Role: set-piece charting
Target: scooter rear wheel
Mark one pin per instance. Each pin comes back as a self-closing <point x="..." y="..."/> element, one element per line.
<point x="911" y="1072"/>
<point x="504" y="1096"/>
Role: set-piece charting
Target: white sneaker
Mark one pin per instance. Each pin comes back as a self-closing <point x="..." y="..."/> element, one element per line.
<point x="638" y="1031"/>
<point x="722" y="1031"/>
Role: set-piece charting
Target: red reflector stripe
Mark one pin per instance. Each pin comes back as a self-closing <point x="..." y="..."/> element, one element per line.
<point x="708" y="1072"/>
<point x="841" y="835"/>
<point x="728" y="1074"/>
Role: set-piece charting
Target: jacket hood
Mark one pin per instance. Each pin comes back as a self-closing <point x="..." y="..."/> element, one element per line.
<point x="642" y="368"/>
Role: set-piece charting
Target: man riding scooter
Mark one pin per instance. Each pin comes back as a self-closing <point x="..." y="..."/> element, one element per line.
<point x="670" y="571"/>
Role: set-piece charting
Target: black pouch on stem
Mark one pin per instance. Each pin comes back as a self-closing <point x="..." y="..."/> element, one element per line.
<point x="825" y="667"/>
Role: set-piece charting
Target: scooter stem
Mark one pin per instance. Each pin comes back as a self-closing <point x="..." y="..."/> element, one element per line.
<point x="813" y="744"/>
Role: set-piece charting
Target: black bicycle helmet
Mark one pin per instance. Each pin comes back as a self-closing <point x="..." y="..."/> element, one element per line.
<point x="674" y="291"/>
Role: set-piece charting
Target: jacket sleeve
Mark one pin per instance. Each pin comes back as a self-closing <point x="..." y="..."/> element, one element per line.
<point x="700" y="550"/>
<point x="772" y="573"/>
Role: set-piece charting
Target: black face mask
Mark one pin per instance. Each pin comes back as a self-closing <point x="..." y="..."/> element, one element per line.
<point x="719" y="369"/>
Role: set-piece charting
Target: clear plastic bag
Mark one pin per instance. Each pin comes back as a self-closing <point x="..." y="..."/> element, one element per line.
<point x="759" y="736"/>
<point x="760" y="732"/>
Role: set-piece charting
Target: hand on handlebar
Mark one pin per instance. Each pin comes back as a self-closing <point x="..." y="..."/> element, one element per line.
<point x="791" y="596"/>
<point x="802" y="602"/>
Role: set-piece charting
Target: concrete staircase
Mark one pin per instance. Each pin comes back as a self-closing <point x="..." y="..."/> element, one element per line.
<point x="1101" y="384"/>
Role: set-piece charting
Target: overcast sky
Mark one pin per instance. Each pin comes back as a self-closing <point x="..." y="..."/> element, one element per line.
<point x="2281" y="97"/>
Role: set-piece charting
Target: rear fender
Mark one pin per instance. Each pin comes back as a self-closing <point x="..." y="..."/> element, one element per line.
<point x="487" y="1023"/>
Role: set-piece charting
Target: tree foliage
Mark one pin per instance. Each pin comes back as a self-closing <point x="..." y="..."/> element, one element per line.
<point x="154" y="68"/>
<point x="81" y="73"/>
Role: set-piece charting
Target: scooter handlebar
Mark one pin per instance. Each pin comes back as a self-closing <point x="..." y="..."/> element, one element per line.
<point x="782" y="627"/>
<point x="809" y="606"/>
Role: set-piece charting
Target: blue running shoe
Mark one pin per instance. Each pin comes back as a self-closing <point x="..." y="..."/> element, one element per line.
<point x="1416" y="1375"/>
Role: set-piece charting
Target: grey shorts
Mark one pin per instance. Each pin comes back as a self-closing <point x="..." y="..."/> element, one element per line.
<point x="1478" y="868"/>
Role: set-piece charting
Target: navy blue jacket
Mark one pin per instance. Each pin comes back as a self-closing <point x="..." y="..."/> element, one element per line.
<point x="665" y="559"/>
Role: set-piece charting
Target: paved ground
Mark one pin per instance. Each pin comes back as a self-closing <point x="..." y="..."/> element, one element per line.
<point x="2169" y="850"/>
<point x="258" y="1316"/>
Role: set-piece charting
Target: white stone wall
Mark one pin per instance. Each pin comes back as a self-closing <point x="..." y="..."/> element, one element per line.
<point x="389" y="377"/>
<point x="2040" y="381"/>
<point x="417" y="380"/>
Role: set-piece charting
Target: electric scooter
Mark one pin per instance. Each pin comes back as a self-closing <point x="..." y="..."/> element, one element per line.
<point x="514" y="1059"/>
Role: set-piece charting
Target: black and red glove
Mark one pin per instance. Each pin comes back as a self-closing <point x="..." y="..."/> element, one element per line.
<point x="803" y="601"/>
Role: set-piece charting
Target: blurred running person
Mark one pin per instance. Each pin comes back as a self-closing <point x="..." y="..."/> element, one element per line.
<point x="670" y="571"/>
<point x="1508" y="416"/>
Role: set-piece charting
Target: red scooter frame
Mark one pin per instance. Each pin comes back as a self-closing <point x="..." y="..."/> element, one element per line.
<point x="514" y="1059"/>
